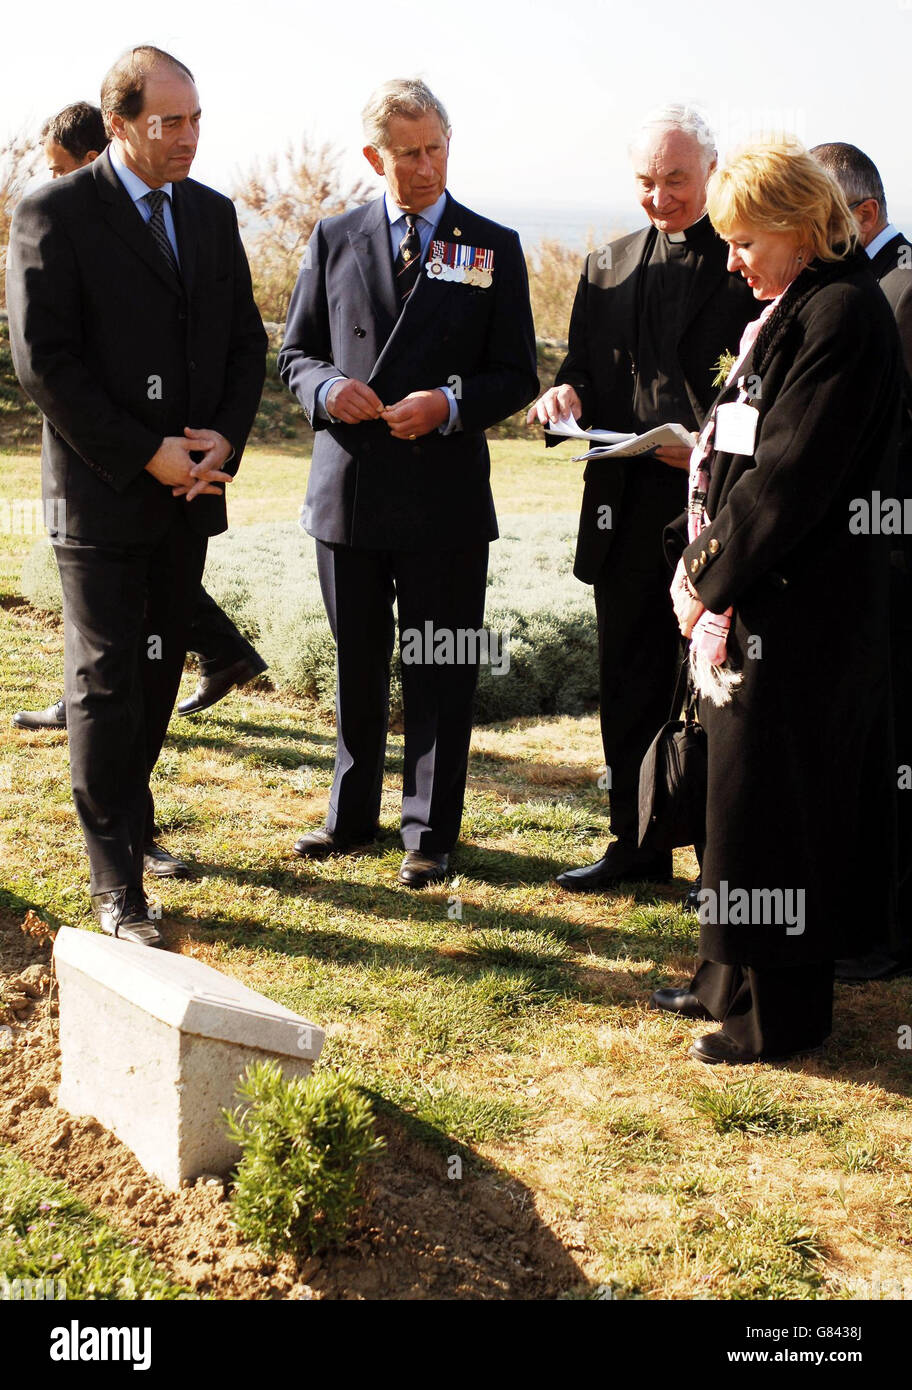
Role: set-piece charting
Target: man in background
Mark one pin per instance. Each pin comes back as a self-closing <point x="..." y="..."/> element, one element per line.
<point x="70" y="140"/>
<point x="134" y="330"/>
<point x="653" y="313"/>
<point x="890" y="253"/>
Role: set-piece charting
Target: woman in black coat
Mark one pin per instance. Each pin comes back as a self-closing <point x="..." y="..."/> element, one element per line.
<point x="784" y="595"/>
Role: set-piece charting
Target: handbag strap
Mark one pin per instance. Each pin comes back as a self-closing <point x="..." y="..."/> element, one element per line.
<point x="684" y="690"/>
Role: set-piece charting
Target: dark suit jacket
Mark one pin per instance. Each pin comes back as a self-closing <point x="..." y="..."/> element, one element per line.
<point x="892" y="267"/>
<point x="366" y="488"/>
<point x="602" y="363"/>
<point x="117" y="352"/>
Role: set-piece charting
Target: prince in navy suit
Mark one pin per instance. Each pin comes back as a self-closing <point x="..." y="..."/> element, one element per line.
<point x="409" y="333"/>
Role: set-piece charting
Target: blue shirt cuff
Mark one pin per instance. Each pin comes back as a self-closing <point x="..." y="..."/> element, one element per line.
<point x="320" y="405"/>
<point x="453" y="423"/>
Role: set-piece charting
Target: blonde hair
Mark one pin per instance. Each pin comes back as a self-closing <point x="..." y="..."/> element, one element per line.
<point x="778" y="186"/>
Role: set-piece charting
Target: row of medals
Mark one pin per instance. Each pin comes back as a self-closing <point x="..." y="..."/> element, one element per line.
<point x="460" y="274"/>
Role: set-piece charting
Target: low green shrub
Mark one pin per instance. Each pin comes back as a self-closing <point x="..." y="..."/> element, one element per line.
<point x="265" y="578"/>
<point x="304" y="1142"/>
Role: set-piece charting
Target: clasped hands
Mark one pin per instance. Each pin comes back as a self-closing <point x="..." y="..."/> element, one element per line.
<point x="172" y="465"/>
<point x="418" y="413"/>
<point x="562" y="401"/>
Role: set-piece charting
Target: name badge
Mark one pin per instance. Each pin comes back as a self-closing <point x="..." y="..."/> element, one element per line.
<point x="736" y="428"/>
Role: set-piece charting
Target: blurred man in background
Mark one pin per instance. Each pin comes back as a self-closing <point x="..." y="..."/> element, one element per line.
<point x="890" y="254"/>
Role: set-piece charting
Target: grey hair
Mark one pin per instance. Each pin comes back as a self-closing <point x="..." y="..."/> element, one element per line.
<point x="684" y="117"/>
<point x="402" y="96"/>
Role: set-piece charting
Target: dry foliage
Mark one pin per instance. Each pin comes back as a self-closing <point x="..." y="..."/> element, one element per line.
<point x="554" y="272"/>
<point x="17" y="165"/>
<point x="280" y="202"/>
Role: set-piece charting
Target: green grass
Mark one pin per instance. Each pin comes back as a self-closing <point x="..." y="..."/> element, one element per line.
<point x="494" y="1016"/>
<point x="48" y="1234"/>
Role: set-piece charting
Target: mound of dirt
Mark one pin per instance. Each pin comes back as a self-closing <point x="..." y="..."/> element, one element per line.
<point x="421" y="1237"/>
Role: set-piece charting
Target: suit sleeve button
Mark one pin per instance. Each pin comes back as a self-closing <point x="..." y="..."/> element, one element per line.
<point x="702" y="557"/>
<point x="714" y="546"/>
<point x="694" y="566"/>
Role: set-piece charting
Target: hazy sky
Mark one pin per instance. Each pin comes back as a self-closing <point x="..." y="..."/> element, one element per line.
<point x="542" y="94"/>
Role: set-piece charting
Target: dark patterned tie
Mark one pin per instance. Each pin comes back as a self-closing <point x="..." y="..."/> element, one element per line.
<point x="408" y="261"/>
<point x="156" y="201"/>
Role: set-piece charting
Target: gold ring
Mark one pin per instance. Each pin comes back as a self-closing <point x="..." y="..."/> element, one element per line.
<point x="413" y="436"/>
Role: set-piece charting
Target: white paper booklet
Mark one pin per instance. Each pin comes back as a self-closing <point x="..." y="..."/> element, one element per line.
<point x="619" y="446"/>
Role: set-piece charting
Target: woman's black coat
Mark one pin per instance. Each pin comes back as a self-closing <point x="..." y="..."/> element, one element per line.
<point x="801" y="781"/>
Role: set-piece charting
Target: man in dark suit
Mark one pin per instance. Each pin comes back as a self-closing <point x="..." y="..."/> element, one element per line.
<point x="653" y="313"/>
<point x="408" y="334"/>
<point x="133" y="328"/>
<point x="71" y="139"/>
<point x="890" y="254"/>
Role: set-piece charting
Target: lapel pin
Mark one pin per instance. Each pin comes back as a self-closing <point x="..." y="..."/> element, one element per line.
<point x="457" y="231"/>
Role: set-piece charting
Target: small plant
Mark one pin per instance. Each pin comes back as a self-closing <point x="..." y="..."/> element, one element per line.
<point x="749" y="1106"/>
<point x="304" y="1142"/>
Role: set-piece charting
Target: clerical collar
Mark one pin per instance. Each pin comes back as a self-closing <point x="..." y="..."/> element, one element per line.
<point x="692" y="234"/>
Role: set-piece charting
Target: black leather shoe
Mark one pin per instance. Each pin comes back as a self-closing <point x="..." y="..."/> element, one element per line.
<point x="54" y="717"/>
<point x="161" y="864"/>
<point x="718" y="1047"/>
<point x="876" y="965"/>
<point x="622" y="863"/>
<point x="691" y="899"/>
<point x="679" y="1001"/>
<point x="418" y="870"/>
<point x="216" y="686"/>
<point x="124" y="913"/>
<point x="320" y="843"/>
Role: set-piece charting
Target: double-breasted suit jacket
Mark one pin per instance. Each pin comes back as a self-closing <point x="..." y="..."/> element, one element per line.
<point x="365" y="487"/>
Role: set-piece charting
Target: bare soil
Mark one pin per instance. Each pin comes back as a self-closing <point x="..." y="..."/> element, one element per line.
<point x="421" y="1236"/>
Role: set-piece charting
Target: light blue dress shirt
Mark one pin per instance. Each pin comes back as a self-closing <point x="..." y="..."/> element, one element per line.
<point x="888" y="233"/>
<point x="138" y="189"/>
<point x="426" y="225"/>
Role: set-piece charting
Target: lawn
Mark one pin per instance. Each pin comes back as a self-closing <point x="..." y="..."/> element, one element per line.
<point x="495" y="1019"/>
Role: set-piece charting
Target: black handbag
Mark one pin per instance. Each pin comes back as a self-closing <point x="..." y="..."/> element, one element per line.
<point x="672" y="799"/>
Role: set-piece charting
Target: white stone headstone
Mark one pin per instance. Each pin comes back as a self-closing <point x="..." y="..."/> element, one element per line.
<point x="152" y="1045"/>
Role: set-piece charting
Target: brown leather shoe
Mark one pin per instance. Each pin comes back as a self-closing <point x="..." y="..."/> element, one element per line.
<point x="418" y="870"/>
<point x="54" y="717"/>
<point x="124" y="913"/>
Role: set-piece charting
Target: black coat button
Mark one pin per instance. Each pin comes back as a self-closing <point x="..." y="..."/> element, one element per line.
<point x="360" y="332"/>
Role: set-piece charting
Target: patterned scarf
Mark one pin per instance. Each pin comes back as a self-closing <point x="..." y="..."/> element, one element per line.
<point x="712" y="675"/>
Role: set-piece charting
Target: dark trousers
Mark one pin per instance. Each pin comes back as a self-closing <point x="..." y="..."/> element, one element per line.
<point x="447" y="589"/>
<point x="899" y="943"/>
<point x="639" y="655"/>
<point x="769" y="1011"/>
<point x="126" y="615"/>
<point x="214" y="637"/>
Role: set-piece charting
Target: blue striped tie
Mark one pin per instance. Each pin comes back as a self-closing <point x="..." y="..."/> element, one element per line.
<point x="156" y="200"/>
